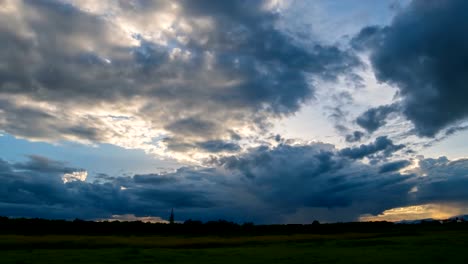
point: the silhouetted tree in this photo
(171, 218)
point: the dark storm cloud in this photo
(382, 145)
(374, 118)
(32, 183)
(28, 189)
(264, 185)
(317, 176)
(233, 67)
(423, 52)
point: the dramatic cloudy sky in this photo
(273, 111)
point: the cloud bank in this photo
(265, 185)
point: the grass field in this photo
(424, 247)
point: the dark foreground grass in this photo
(424, 247)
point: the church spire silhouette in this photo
(171, 218)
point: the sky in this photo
(265, 111)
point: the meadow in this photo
(424, 245)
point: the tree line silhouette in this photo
(36, 226)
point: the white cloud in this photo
(75, 176)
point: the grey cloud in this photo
(103, 177)
(153, 179)
(356, 136)
(178, 145)
(337, 110)
(430, 163)
(4, 166)
(454, 130)
(193, 127)
(394, 166)
(423, 53)
(368, 38)
(382, 145)
(174, 198)
(210, 146)
(44, 165)
(447, 133)
(374, 118)
(219, 146)
(36, 123)
(338, 116)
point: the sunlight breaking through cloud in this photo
(418, 212)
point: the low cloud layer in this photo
(265, 185)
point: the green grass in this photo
(425, 247)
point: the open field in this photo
(440, 246)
